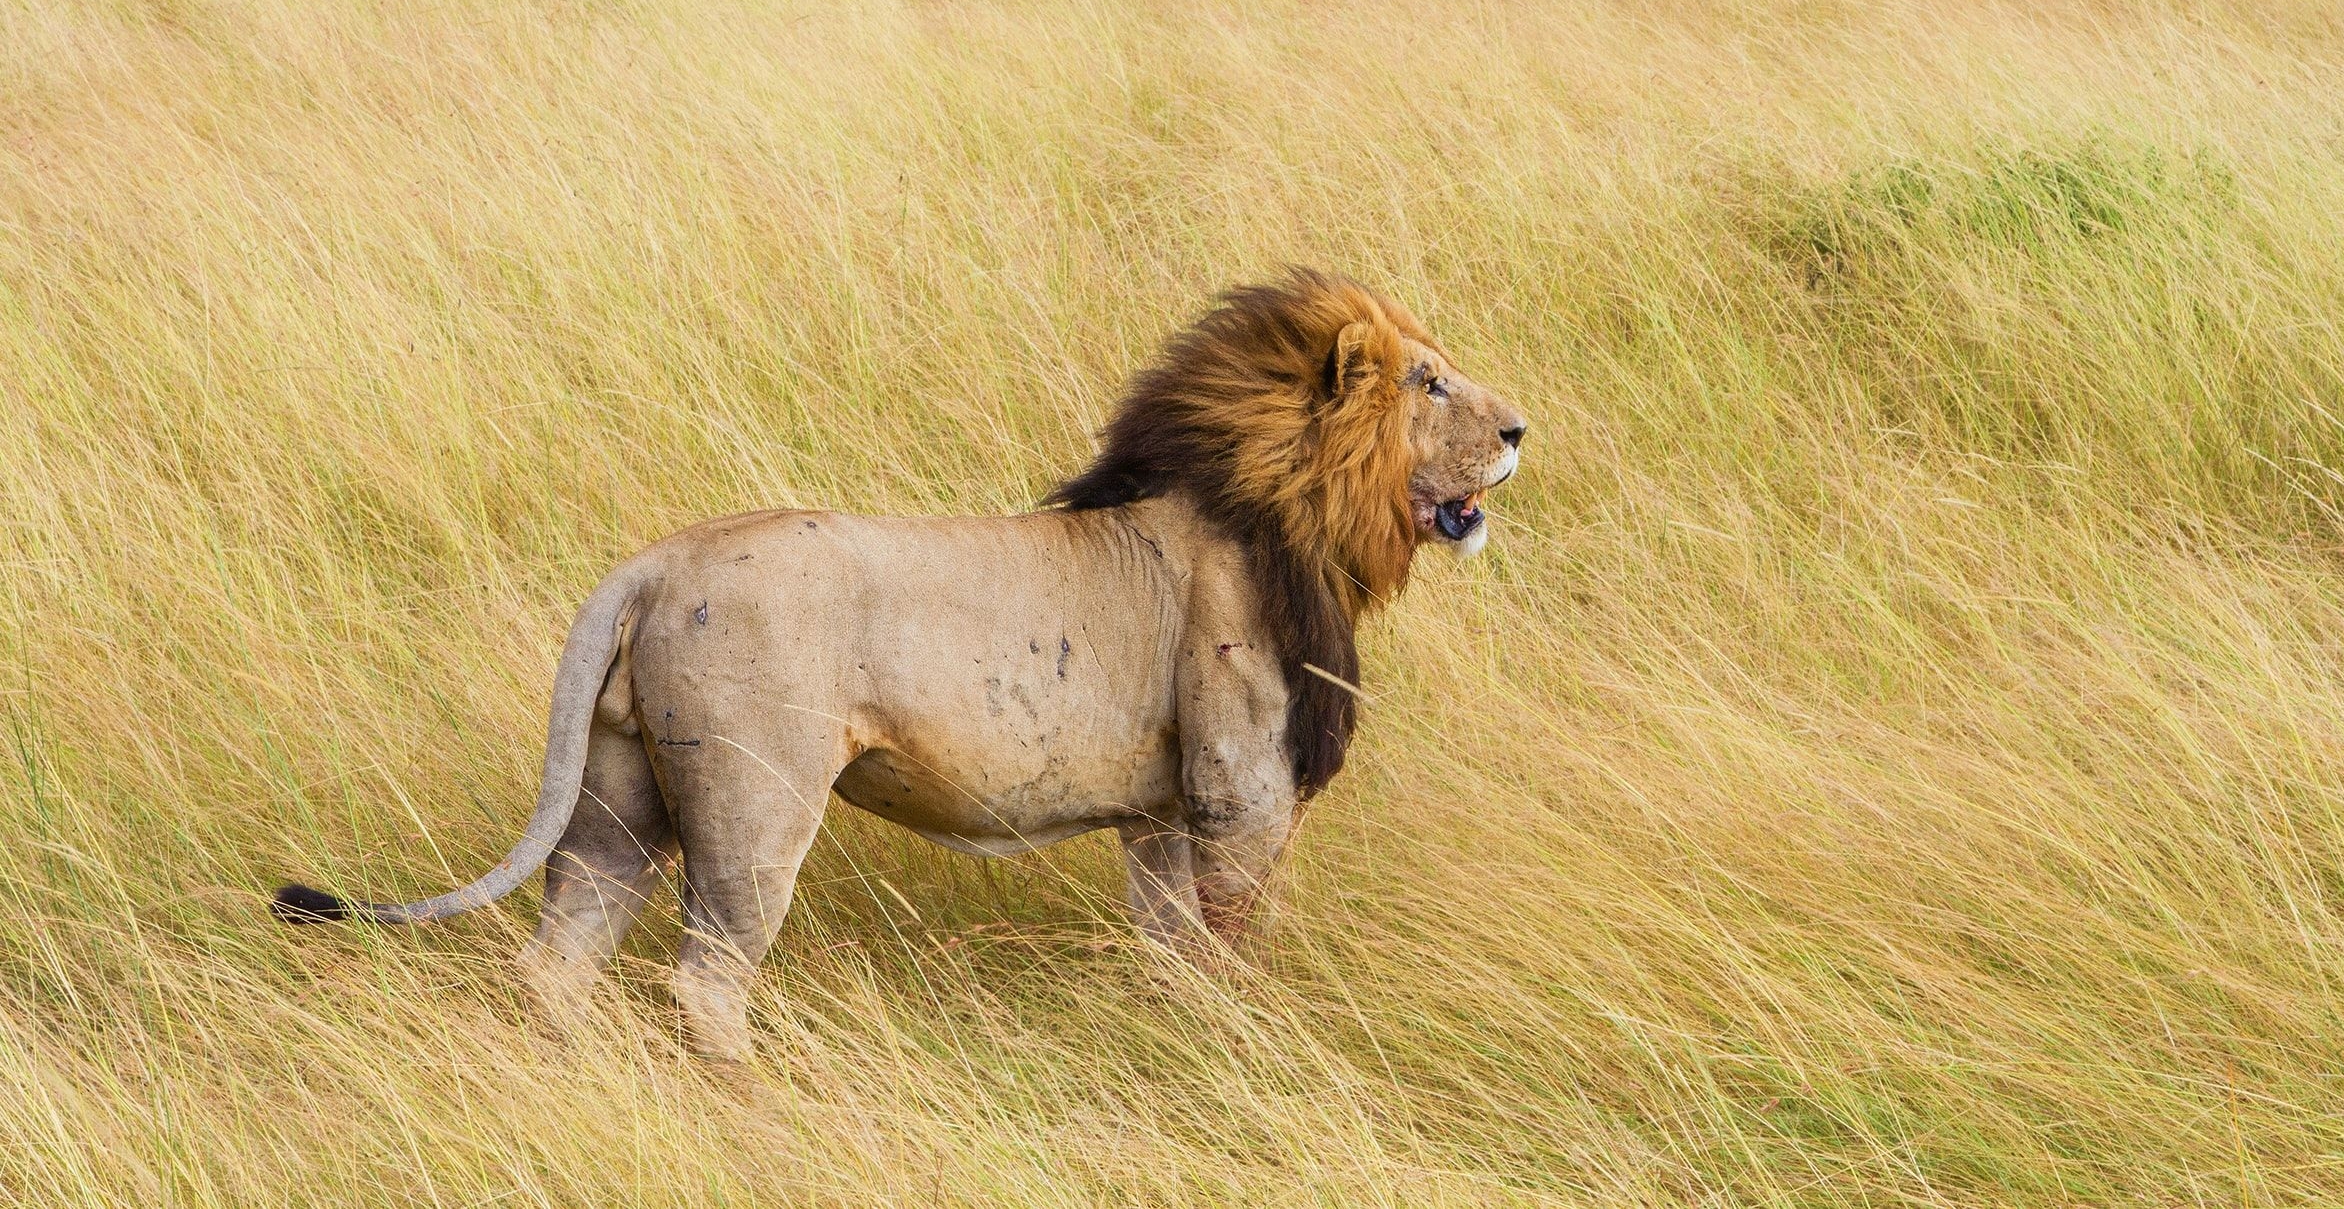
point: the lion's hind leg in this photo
(748, 806)
(617, 849)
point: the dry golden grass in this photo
(1893, 754)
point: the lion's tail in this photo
(586, 659)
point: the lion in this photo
(1165, 648)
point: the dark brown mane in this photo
(1278, 415)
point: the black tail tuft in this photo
(302, 905)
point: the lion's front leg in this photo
(1236, 774)
(1238, 842)
(1240, 797)
(1159, 866)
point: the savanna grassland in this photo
(1892, 753)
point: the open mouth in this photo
(1458, 518)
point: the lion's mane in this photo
(1279, 415)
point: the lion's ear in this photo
(1352, 363)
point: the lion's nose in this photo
(1511, 436)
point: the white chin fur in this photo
(1472, 543)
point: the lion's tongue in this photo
(1458, 517)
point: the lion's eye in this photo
(1438, 388)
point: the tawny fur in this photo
(1145, 657)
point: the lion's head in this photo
(1318, 424)
(1467, 441)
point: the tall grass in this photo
(1893, 753)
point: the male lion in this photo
(1166, 651)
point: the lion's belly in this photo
(1000, 807)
